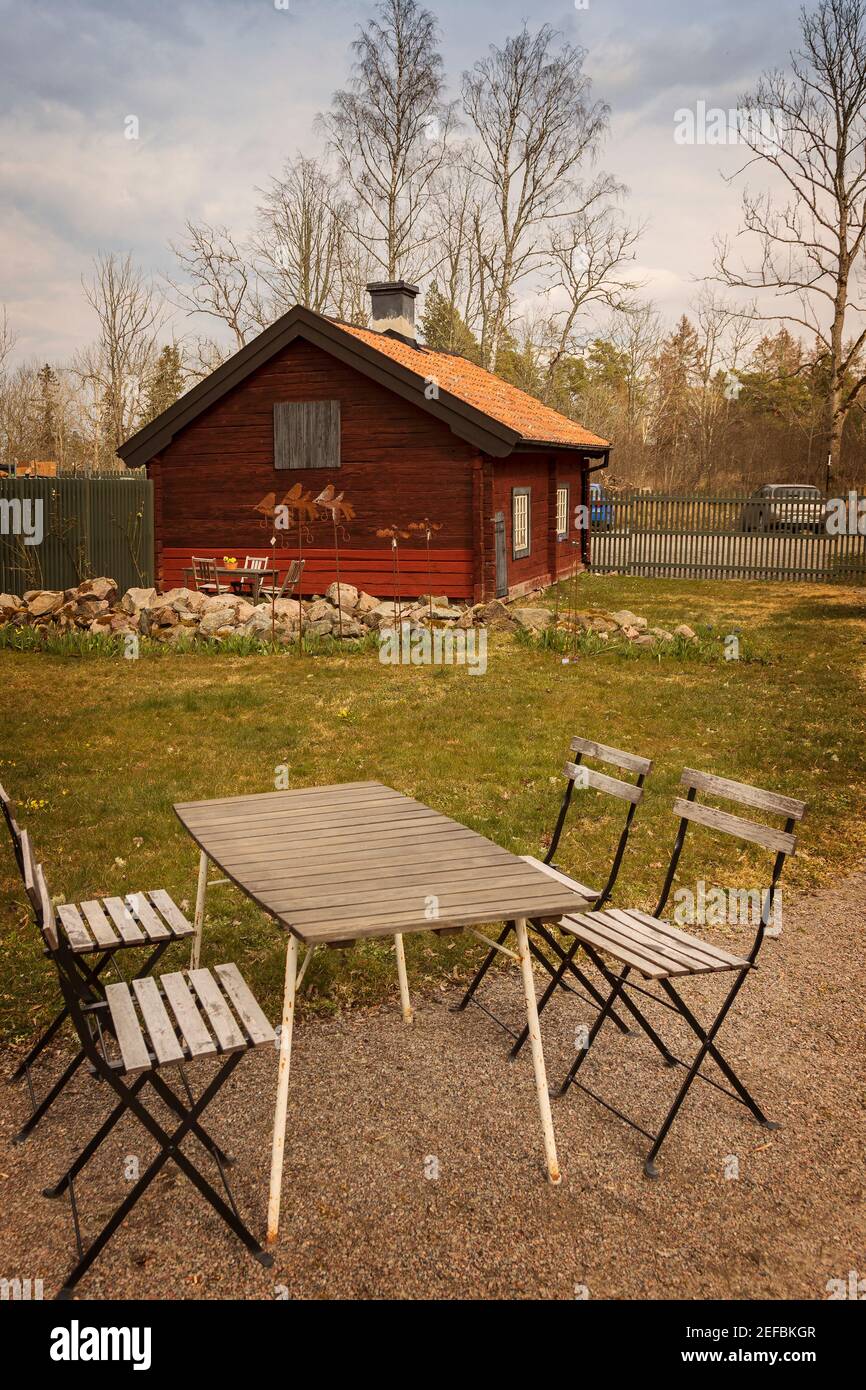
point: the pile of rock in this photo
(94, 606)
(341, 612)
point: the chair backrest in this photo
(255, 562)
(204, 570)
(12, 825)
(780, 842)
(37, 891)
(580, 774)
(293, 575)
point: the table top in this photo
(240, 571)
(358, 859)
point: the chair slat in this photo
(45, 909)
(77, 934)
(600, 780)
(170, 911)
(629, 762)
(246, 1005)
(127, 1029)
(606, 938)
(155, 929)
(124, 921)
(743, 792)
(220, 1016)
(156, 1021)
(99, 924)
(700, 956)
(778, 840)
(185, 1010)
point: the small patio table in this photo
(238, 576)
(343, 863)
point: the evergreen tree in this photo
(444, 330)
(165, 383)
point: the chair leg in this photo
(727, 1070)
(37, 1048)
(402, 977)
(169, 1149)
(594, 1030)
(567, 964)
(541, 1090)
(709, 1037)
(45, 1104)
(483, 968)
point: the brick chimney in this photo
(392, 306)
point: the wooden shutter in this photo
(307, 434)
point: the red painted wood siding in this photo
(542, 473)
(398, 465)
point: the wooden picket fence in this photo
(87, 527)
(691, 536)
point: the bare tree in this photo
(456, 212)
(129, 319)
(529, 103)
(809, 128)
(588, 254)
(221, 280)
(301, 236)
(389, 132)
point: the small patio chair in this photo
(292, 578)
(660, 953)
(128, 1037)
(579, 775)
(204, 573)
(255, 562)
(97, 930)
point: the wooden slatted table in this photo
(341, 863)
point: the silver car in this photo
(788, 507)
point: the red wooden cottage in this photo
(405, 433)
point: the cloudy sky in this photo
(224, 90)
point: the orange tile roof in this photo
(485, 392)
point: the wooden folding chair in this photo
(660, 953)
(97, 930)
(581, 776)
(255, 562)
(204, 573)
(286, 589)
(128, 1036)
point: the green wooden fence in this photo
(81, 527)
(687, 536)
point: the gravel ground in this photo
(373, 1103)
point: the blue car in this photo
(600, 510)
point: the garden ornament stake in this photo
(341, 511)
(300, 507)
(428, 527)
(395, 534)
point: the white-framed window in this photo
(520, 522)
(562, 493)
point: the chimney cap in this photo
(378, 286)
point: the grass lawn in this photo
(96, 749)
